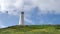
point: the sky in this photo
(36, 12)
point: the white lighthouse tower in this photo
(21, 21)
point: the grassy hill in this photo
(32, 29)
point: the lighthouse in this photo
(21, 22)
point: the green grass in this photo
(32, 29)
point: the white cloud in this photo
(10, 5)
(45, 5)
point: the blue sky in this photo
(37, 12)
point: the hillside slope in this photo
(33, 29)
